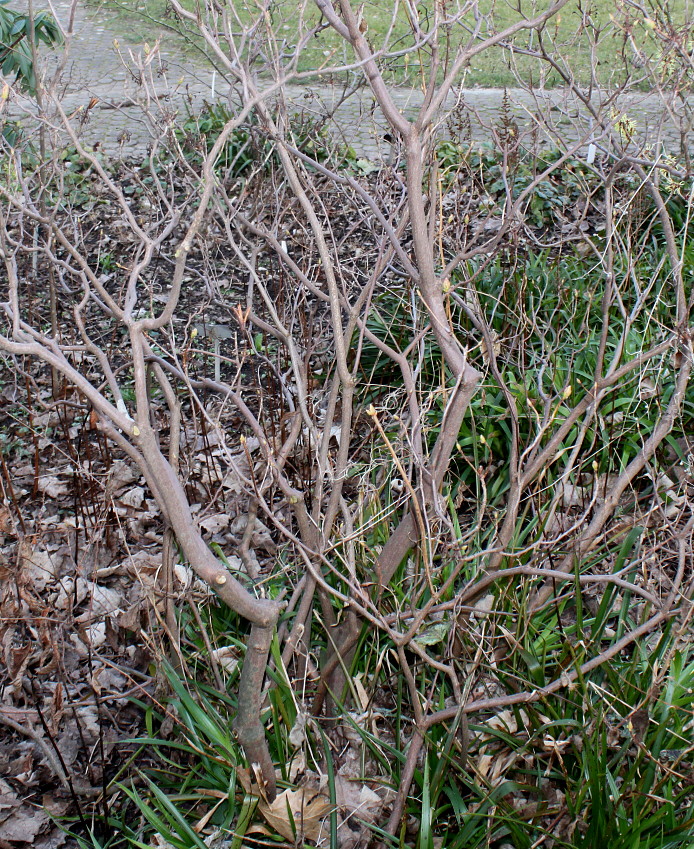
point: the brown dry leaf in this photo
(504, 720)
(215, 523)
(57, 707)
(24, 824)
(133, 497)
(361, 692)
(159, 842)
(108, 681)
(120, 475)
(70, 593)
(144, 565)
(53, 839)
(647, 388)
(9, 800)
(496, 346)
(18, 658)
(308, 810)
(184, 575)
(261, 533)
(101, 600)
(239, 468)
(484, 762)
(94, 635)
(227, 657)
(355, 797)
(357, 805)
(51, 486)
(6, 524)
(37, 565)
(244, 776)
(130, 619)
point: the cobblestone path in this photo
(96, 73)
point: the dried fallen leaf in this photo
(647, 388)
(355, 797)
(38, 567)
(95, 634)
(227, 657)
(215, 523)
(184, 575)
(53, 839)
(51, 486)
(133, 497)
(158, 842)
(24, 824)
(102, 600)
(120, 475)
(297, 812)
(297, 736)
(6, 525)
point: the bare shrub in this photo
(413, 412)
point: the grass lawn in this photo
(624, 37)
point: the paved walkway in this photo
(98, 73)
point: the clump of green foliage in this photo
(17, 31)
(246, 150)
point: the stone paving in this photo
(99, 88)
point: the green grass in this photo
(568, 38)
(606, 762)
